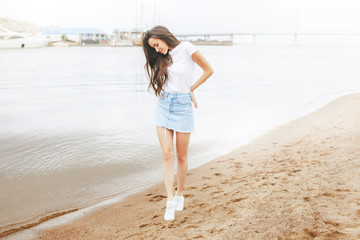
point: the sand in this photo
(299, 181)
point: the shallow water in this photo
(76, 124)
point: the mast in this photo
(296, 21)
(136, 19)
(141, 22)
(154, 17)
(137, 40)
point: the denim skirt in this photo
(175, 111)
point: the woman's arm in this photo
(208, 71)
(200, 60)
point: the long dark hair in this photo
(156, 63)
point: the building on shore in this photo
(81, 36)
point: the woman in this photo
(169, 65)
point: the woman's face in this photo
(159, 45)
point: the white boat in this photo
(11, 39)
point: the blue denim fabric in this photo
(175, 111)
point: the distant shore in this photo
(299, 181)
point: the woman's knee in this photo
(182, 158)
(168, 155)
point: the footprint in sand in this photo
(156, 198)
(198, 236)
(327, 194)
(306, 199)
(234, 178)
(238, 165)
(342, 190)
(216, 192)
(143, 225)
(205, 187)
(220, 230)
(132, 235)
(208, 210)
(206, 178)
(188, 195)
(236, 193)
(235, 200)
(192, 226)
(201, 221)
(217, 174)
(335, 224)
(310, 233)
(172, 225)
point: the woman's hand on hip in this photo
(193, 99)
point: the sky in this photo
(192, 16)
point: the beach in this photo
(298, 181)
(72, 141)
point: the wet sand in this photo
(299, 181)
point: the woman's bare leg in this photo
(182, 145)
(167, 147)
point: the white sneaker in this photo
(179, 203)
(170, 211)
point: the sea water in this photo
(77, 124)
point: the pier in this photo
(231, 38)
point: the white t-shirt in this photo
(182, 70)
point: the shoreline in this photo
(65, 216)
(154, 194)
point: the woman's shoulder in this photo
(189, 48)
(185, 45)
